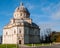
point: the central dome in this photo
(22, 8)
(21, 12)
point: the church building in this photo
(21, 29)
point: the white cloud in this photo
(56, 16)
(53, 10)
(30, 6)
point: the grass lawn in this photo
(14, 45)
(7, 46)
(37, 44)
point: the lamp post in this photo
(17, 38)
(6, 45)
(6, 40)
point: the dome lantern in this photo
(21, 4)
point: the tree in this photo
(48, 35)
(53, 36)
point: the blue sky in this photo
(45, 13)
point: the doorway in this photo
(19, 41)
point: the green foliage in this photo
(53, 38)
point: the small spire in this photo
(21, 4)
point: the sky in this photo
(45, 13)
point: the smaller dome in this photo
(22, 9)
(33, 24)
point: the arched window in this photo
(14, 31)
(20, 31)
(24, 15)
(6, 33)
(21, 14)
(17, 14)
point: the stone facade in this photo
(21, 29)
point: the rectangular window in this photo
(21, 14)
